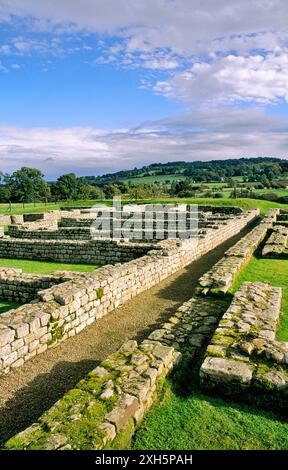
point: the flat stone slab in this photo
(227, 370)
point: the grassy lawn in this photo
(245, 203)
(41, 267)
(17, 208)
(200, 422)
(5, 306)
(276, 272)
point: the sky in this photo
(97, 86)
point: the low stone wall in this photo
(74, 251)
(101, 223)
(112, 398)
(243, 353)
(66, 309)
(123, 387)
(221, 277)
(15, 286)
(34, 231)
(276, 245)
(1, 231)
(11, 219)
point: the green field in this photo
(245, 203)
(42, 267)
(17, 208)
(5, 306)
(153, 179)
(201, 422)
(276, 272)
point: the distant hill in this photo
(199, 171)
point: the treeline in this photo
(250, 169)
(29, 185)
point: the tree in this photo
(66, 187)
(27, 185)
(111, 190)
(265, 181)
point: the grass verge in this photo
(41, 267)
(274, 271)
(201, 422)
(5, 306)
(244, 203)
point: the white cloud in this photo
(17, 66)
(257, 78)
(205, 135)
(160, 23)
(26, 45)
(207, 51)
(169, 35)
(5, 49)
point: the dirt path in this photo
(30, 390)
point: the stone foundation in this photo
(15, 286)
(243, 353)
(277, 244)
(221, 277)
(112, 398)
(65, 309)
(111, 224)
(74, 251)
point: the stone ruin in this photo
(277, 244)
(242, 352)
(62, 306)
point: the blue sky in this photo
(96, 86)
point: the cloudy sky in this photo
(93, 86)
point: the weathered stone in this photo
(226, 370)
(126, 408)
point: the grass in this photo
(276, 272)
(41, 267)
(18, 209)
(5, 306)
(244, 203)
(153, 179)
(200, 422)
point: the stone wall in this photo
(221, 277)
(243, 353)
(15, 286)
(66, 309)
(112, 398)
(74, 251)
(123, 387)
(100, 223)
(10, 219)
(276, 245)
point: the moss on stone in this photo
(100, 293)
(123, 438)
(214, 352)
(57, 333)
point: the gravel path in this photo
(30, 390)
